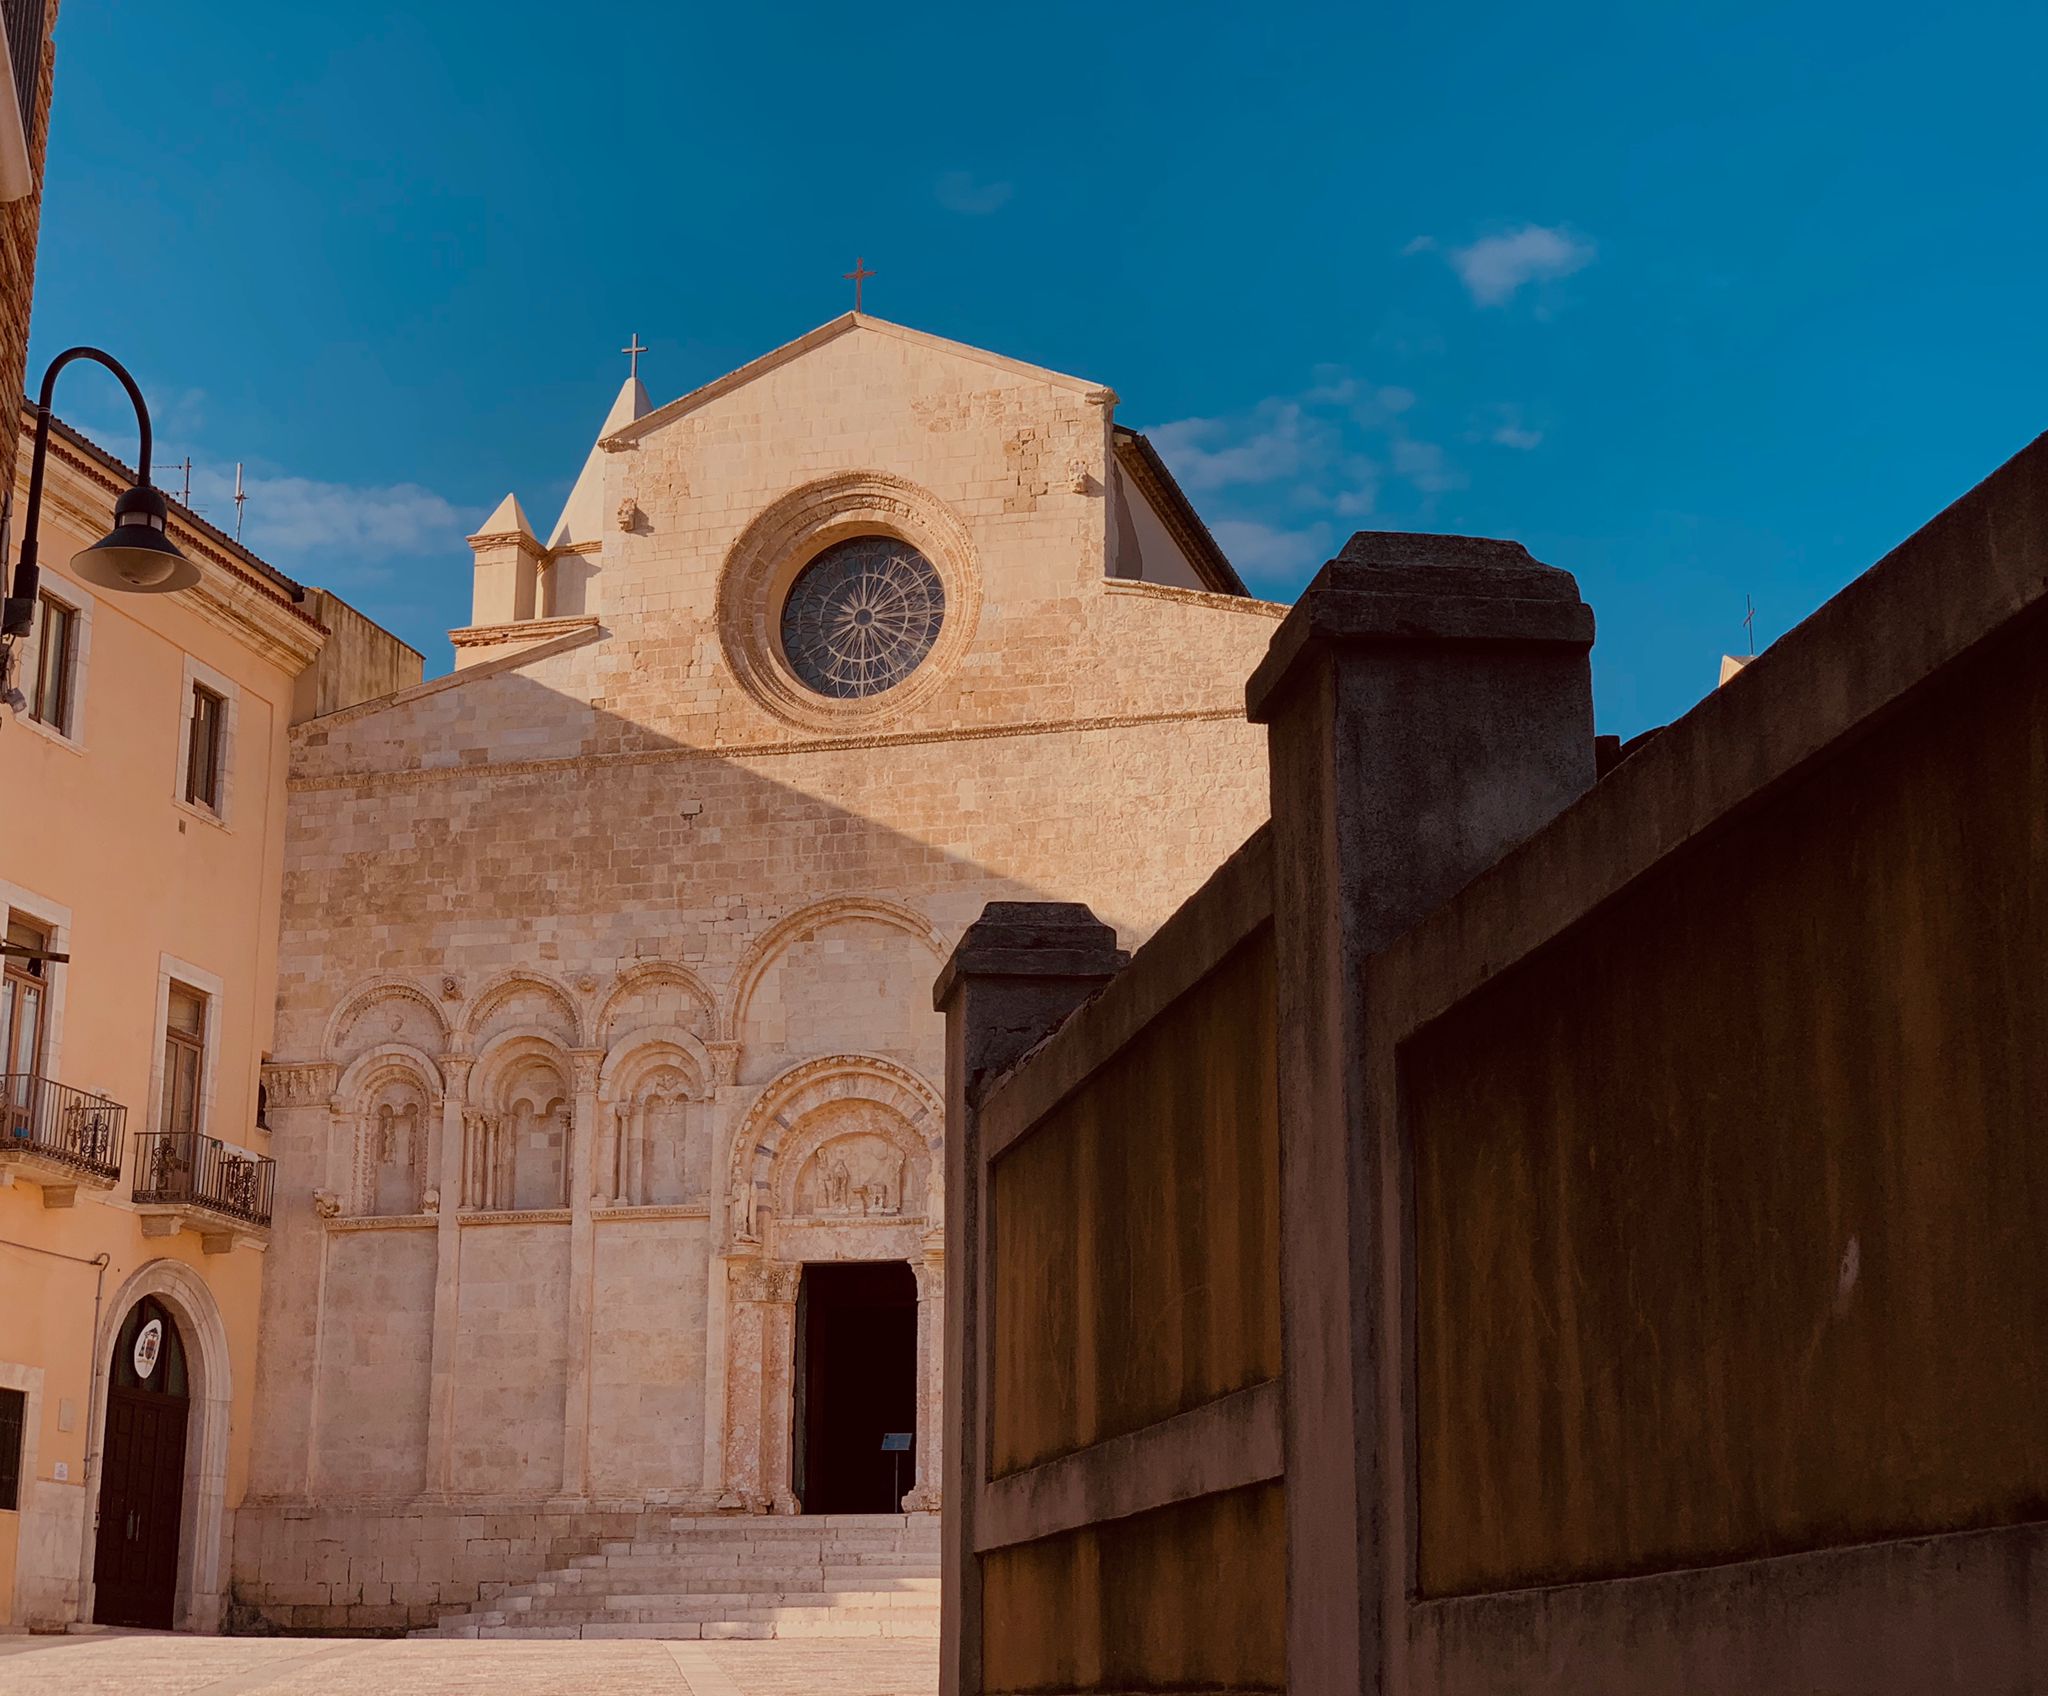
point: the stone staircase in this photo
(837, 1575)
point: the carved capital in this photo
(764, 1280)
(299, 1086)
(587, 1063)
(725, 1063)
(326, 1204)
(455, 1068)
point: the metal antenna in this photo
(1749, 623)
(240, 498)
(184, 467)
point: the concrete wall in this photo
(1659, 1185)
(1722, 1201)
(1123, 1330)
(1136, 1268)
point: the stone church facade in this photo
(605, 1030)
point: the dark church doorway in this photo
(142, 1472)
(856, 1383)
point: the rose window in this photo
(861, 616)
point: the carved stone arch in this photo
(818, 1131)
(614, 1018)
(653, 1141)
(505, 986)
(196, 1602)
(377, 1185)
(786, 536)
(506, 1051)
(819, 915)
(349, 1013)
(515, 1153)
(361, 1070)
(636, 1048)
(755, 1158)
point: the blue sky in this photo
(1698, 303)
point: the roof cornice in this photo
(621, 440)
(1141, 463)
(227, 595)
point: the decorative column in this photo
(457, 1157)
(1429, 705)
(582, 1273)
(778, 1367)
(931, 1375)
(1019, 970)
(300, 1103)
(760, 1319)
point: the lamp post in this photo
(136, 557)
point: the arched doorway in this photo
(142, 1471)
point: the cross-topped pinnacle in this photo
(634, 350)
(858, 275)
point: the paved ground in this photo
(159, 1664)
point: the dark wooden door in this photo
(142, 1489)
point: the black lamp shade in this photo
(136, 556)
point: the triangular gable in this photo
(582, 517)
(831, 331)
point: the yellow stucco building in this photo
(142, 764)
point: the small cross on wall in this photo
(858, 275)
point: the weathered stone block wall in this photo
(379, 1318)
(20, 224)
(611, 878)
(511, 1369)
(648, 1364)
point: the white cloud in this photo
(1494, 267)
(288, 515)
(1279, 440)
(1419, 244)
(1266, 550)
(1518, 436)
(958, 191)
(1423, 464)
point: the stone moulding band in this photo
(517, 1216)
(729, 751)
(383, 1222)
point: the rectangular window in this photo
(23, 986)
(56, 661)
(13, 1424)
(202, 760)
(184, 1059)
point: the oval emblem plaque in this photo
(149, 1343)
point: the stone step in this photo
(728, 1630)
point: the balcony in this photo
(59, 1137)
(195, 1183)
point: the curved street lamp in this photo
(136, 557)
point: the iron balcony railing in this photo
(184, 1169)
(72, 1127)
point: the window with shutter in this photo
(184, 1059)
(203, 752)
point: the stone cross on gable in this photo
(634, 350)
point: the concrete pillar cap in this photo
(1393, 586)
(1031, 939)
